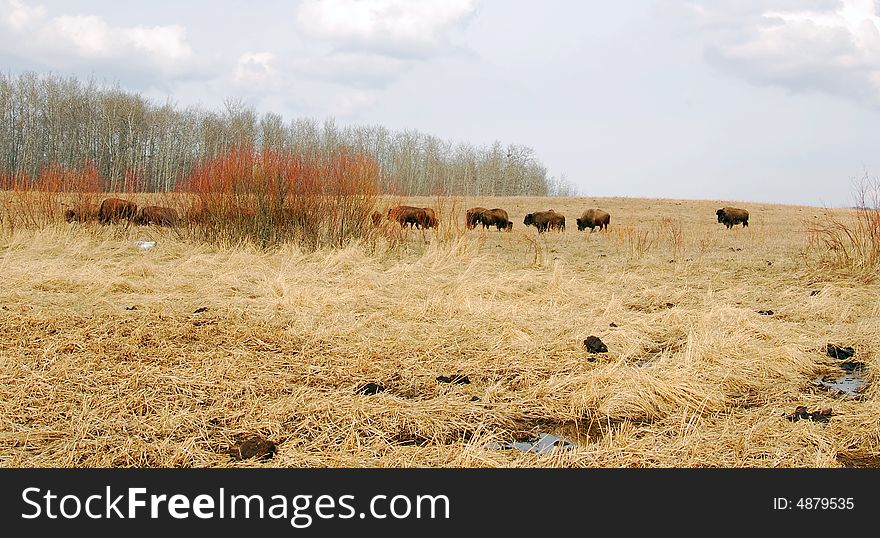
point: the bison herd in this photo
(116, 209)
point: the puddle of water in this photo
(851, 383)
(839, 352)
(544, 444)
(369, 389)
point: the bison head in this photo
(720, 214)
(529, 220)
(581, 225)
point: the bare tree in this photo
(135, 143)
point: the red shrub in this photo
(271, 197)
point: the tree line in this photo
(135, 143)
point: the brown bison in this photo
(154, 214)
(416, 217)
(113, 209)
(545, 220)
(731, 216)
(80, 213)
(404, 214)
(473, 216)
(592, 218)
(496, 217)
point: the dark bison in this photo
(154, 214)
(417, 217)
(731, 216)
(545, 220)
(473, 216)
(376, 217)
(495, 217)
(113, 209)
(592, 218)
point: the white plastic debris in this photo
(145, 245)
(543, 444)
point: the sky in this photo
(736, 100)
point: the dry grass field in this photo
(116, 356)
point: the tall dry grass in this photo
(849, 243)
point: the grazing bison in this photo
(473, 216)
(495, 217)
(545, 220)
(154, 214)
(418, 217)
(377, 218)
(405, 214)
(731, 216)
(592, 218)
(113, 209)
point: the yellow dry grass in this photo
(104, 362)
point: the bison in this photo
(473, 216)
(404, 214)
(113, 209)
(592, 218)
(545, 220)
(416, 217)
(495, 217)
(731, 216)
(154, 214)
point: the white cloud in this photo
(256, 67)
(19, 15)
(365, 45)
(394, 27)
(829, 47)
(71, 40)
(167, 43)
(91, 37)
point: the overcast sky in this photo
(749, 100)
